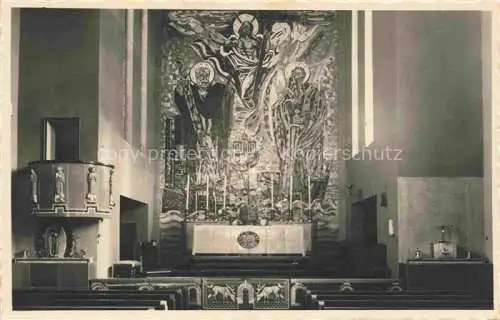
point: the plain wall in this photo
(14, 73)
(58, 73)
(428, 102)
(136, 168)
(439, 58)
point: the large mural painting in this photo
(250, 107)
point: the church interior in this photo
(255, 160)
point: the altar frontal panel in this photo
(275, 239)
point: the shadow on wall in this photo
(23, 223)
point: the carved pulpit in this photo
(67, 201)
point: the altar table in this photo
(271, 239)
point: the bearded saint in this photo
(298, 116)
(205, 110)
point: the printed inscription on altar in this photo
(248, 239)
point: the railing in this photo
(71, 189)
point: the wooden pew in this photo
(177, 298)
(188, 289)
(400, 300)
(86, 299)
(372, 294)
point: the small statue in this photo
(418, 254)
(72, 246)
(22, 254)
(34, 186)
(61, 243)
(50, 237)
(91, 180)
(40, 244)
(83, 253)
(468, 256)
(60, 180)
(111, 199)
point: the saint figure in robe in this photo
(298, 119)
(205, 108)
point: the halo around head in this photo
(243, 18)
(203, 64)
(300, 65)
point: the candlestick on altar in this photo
(215, 204)
(208, 193)
(291, 193)
(224, 198)
(196, 201)
(272, 190)
(187, 193)
(309, 191)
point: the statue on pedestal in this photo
(34, 187)
(60, 182)
(91, 181)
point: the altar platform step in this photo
(240, 272)
(217, 266)
(249, 259)
(228, 273)
(86, 299)
(256, 265)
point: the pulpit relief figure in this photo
(60, 182)
(91, 181)
(34, 187)
(111, 198)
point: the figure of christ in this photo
(242, 50)
(246, 43)
(204, 123)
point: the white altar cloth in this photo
(271, 239)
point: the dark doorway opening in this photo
(366, 257)
(363, 226)
(61, 139)
(133, 228)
